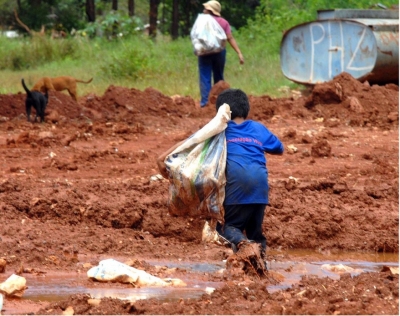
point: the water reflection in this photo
(56, 288)
(339, 255)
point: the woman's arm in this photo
(235, 46)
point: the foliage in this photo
(69, 15)
(274, 17)
(59, 15)
(127, 59)
(236, 12)
(114, 23)
(14, 53)
(6, 12)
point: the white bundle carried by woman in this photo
(197, 170)
(208, 37)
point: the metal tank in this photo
(363, 43)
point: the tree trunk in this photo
(91, 10)
(115, 5)
(131, 7)
(175, 19)
(189, 12)
(153, 17)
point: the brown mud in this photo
(80, 188)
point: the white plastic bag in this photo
(115, 271)
(197, 170)
(208, 37)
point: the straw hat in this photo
(213, 6)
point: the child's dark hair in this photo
(237, 100)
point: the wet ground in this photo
(80, 188)
(56, 287)
(60, 286)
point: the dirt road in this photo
(79, 188)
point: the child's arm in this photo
(274, 146)
(160, 160)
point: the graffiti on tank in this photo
(340, 55)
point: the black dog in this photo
(36, 99)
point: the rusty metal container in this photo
(363, 43)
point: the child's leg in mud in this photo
(235, 221)
(254, 225)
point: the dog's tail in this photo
(89, 81)
(28, 92)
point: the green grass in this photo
(136, 62)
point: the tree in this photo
(175, 19)
(153, 17)
(91, 10)
(115, 5)
(131, 7)
(52, 14)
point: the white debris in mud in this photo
(340, 268)
(156, 177)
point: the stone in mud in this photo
(321, 149)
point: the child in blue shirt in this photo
(246, 190)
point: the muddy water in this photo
(55, 288)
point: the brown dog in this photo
(59, 84)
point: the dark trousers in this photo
(210, 66)
(242, 218)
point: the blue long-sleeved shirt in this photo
(246, 171)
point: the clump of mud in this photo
(247, 260)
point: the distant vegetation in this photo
(126, 56)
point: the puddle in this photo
(52, 288)
(360, 262)
(56, 288)
(293, 271)
(340, 256)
